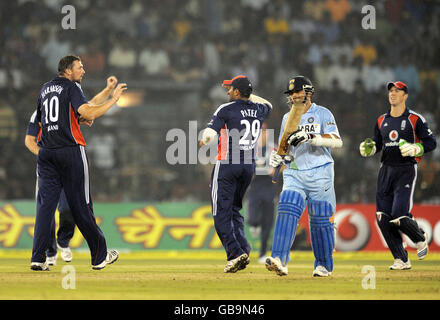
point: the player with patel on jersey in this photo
(403, 136)
(238, 124)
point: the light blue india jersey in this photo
(319, 120)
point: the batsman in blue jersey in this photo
(308, 181)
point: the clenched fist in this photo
(298, 137)
(111, 82)
(276, 160)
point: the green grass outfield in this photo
(198, 275)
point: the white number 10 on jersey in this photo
(51, 109)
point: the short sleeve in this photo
(33, 127)
(218, 119)
(329, 123)
(77, 97)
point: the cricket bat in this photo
(291, 126)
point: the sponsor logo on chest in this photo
(310, 127)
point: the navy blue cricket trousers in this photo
(261, 208)
(229, 183)
(65, 168)
(395, 190)
(66, 228)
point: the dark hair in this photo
(245, 94)
(66, 63)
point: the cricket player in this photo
(67, 225)
(238, 126)
(403, 136)
(308, 180)
(62, 161)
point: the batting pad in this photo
(322, 233)
(290, 209)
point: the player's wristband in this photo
(332, 142)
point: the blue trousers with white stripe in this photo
(229, 183)
(66, 168)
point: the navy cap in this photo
(241, 83)
(299, 83)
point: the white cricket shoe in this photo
(39, 266)
(400, 265)
(262, 259)
(255, 232)
(244, 264)
(65, 253)
(321, 271)
(274, 264)
(51, 261)
(112, 256)
(236, 264)
(422, 248)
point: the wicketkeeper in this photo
(403, 136)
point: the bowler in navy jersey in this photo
(237, 125)
(62, 161)
(403, 136)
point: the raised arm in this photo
(91, 112)
(105, 93)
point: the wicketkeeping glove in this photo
(367, 148)
(410, 149)
(298, 137)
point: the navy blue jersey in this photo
(57, 111)
(411, 127)
(238, 124)
(33, 128)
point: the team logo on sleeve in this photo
(394, 135)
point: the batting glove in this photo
(367, 148)
(276, 160)
(410, 149)
(298, 137)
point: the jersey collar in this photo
(405, 113)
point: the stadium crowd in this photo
(175, 53)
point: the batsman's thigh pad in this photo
(290, 209)
(392, 236)
(322, 232)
